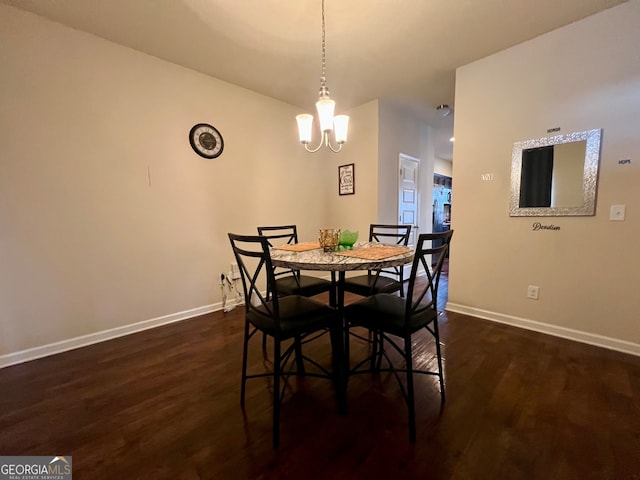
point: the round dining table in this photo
(363, 256)
(310, 256)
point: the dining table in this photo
(362, 256)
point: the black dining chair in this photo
(291, 321)
(288, 281)
(394, 320)
(388, 280)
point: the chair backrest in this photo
(280, 235)
(426, 296)
(254, 262)
(398, 234)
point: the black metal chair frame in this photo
(398, 234)
(422, 301)
(262, 313)
(290, 234)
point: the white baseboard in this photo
(85, 340)
(568, 333)
(90, 339)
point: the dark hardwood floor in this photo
(164, 404)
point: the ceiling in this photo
(403, 51)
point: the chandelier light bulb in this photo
(341, 125)
(305, 125)
(326, 108)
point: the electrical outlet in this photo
(533, 291)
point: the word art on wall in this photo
(537, 226)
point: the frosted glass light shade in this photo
(305, 124)
(325, 107)
(341, 124)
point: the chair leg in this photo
(377, 349)
(436, 336)
(264, 335)
(374, 348)
(410, 395)
(299, 359)
(245, 347)
(346, 346)
(380, 350)
(276, 392)
(340, 363)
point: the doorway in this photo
(409, 194)
(442, 203)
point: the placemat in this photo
(375, 253)
(299, 247)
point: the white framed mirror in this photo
(555, 176)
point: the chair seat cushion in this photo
(298, 315)
(308, 287)
(386, 312)
(367, 285)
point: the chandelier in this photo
(325, 106)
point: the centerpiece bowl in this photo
(347, 239)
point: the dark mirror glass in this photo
(552, 175)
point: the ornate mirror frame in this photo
(589, 179)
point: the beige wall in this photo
(583, 76)
(379, 133)
(443, 167)
(107, 216)
(109, 222)
(355, 212)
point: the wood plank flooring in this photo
(164, 404)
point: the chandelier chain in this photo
(323, 78)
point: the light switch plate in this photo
(616, 214)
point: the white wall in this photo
(107, 216)
(583, 76)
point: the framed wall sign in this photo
(346, 179)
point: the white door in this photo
(409, 194)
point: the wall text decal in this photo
(538, 226)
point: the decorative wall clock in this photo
(206, 140)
